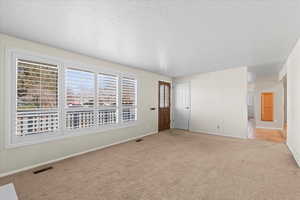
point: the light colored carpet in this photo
(177, 166)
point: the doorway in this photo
(164, 93)
(266, 108)
(182, 105)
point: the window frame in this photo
(13, 141)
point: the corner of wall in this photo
(295, 154)
(1, 100)
(282, 72)
(293, 96)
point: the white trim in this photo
(68, 62)
(294, 153)
(216, 133)
(272, 128)
(75, 154)
(13, 56)
(75, 133)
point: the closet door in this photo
(182, 106)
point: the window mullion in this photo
(120, 106)
(61, 99)
(96, 117)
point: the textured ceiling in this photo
(171, 37)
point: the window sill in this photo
(69, 134)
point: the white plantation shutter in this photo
(79, 119)
(107, 90)
(128, 91)
(108, 116)
(129, 114)
(80, 99)
(129, 96)
(37, 98)
(107, 99)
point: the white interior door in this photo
(182, 105)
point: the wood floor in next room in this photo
(172, 165)
(272, 135)
(269, 135)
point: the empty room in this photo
(149, 100)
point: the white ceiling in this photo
(171, 37)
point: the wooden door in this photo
(267, 106)
(164, 90)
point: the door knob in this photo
(187, 107)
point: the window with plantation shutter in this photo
(37, 98)
(129, 96)
(80, 88)
(107, 99)
(80, 99)
(107, 90)
(52, 98)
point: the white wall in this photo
(26, 156)
(251, 77)
(269, 84)
(219, 102)
(284, 82)
(251, 98)
(282, 73)
(293, 101)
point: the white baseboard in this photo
(217, 133)
(271, 128)
(73, 155)
(295, 154)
